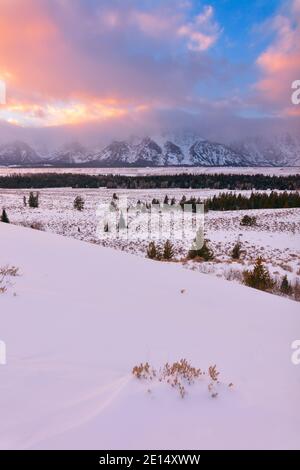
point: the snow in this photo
(276, 236)
(81, 316)
(276, 171)
(155, 150)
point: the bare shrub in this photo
(233, 275)
(37, 226)
(179, 375)
(296, 290)
(286, 267)
(6, 272)
(12, 271)
(144, 371)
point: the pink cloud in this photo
(199, 34)
(71, 61)
(279, 64)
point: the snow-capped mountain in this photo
(116, 152)
(18, 153)
(163, 150)
(206, 153)
(281, 150)
(72, 153)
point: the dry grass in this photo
(6, 272)
(233, 275)
(179, 375)
(286, 267)
(296, 290)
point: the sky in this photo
(120, 64)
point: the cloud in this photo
(279, 63)
(202, 32)
(71, 59)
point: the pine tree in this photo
(168, 251)
(248, 221)
(33, 200)
(78, 203)
(285, 286)
(166, 200)
(153, 251)
(4, 217)
(204, 252)
(259, 277)
(24, 201)
(236, 251)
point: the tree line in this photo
(273, 200)
(184, 181)
(230, 201)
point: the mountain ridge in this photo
(160, 151)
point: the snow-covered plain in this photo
(277, 171)
(80, 316)
(276, 237)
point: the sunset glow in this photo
(70, 62)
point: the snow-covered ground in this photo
(80, 316)
(277, 171)
(276, 237)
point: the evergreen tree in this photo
(259, 277)
(78, 203)
(155, 201)
(248, 221)
(285, 286)
(166, 200)
(236, 251)
(33, 200)
(153, 251)
(204, 252)
(168, 251)
(4, 217)
(24, 201)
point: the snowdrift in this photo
(80, 317)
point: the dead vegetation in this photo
(179, 375)
(6, 273)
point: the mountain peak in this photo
(184, 148)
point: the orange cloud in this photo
(69, 61)
(58, 114)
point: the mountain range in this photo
(162, 150)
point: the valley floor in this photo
(276, 237)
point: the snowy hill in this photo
(166, 149)
(80, 317)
